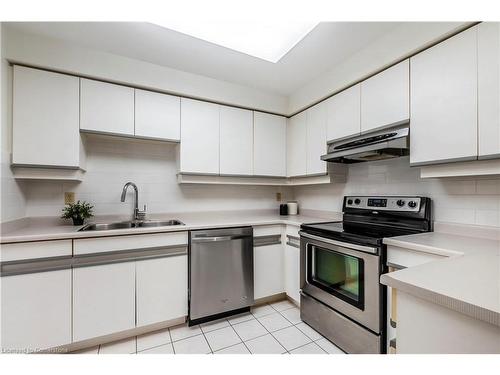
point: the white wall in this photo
(111, 162)
(456, 201)
(65, 57)
(12, 200)
(399, 43)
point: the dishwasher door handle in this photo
(219, 238)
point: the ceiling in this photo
(325, 46)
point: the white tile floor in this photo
(274, 328)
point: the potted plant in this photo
(78, 212)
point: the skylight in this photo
(269, 42)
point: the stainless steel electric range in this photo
(341, 263)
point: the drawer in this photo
(267, 230)
(133, 242)
(401, 257)
(33, 250)
(293, 230)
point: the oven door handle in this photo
(347, 245)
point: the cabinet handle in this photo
(219, 238)
(274, 239)
(21, 267)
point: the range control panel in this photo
(409, 204)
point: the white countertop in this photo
(42, 229)
(467, 280)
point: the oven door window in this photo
(338, 274)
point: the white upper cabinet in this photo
(45, 119)
(236, 141)
(444, 101)
(296, 145)
(316, 139)
(343, 114)
(269, 145)
(385, 98)
(157, 115)
(106, 108)
(199, 148)
(489, 89)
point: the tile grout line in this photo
(312, 342)
(271, 332)
(242, 341)
(209, 346)
(171, 341)
(239, 338)
(156, 346)
(292, 325)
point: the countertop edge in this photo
(422, 248)
(9, 239)
(473, 311)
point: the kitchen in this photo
(354, 211)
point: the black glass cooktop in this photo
(363, 234)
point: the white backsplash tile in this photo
(111, 162)
(465, 201)
(152, 166)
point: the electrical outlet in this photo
(278, 196)
(69, 197)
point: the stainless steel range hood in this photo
(382, 144)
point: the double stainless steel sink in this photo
(130, 224)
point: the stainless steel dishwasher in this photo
(220, 273)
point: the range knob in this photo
(400, 203)
(357, 201)
(412, 204)
(349, 201)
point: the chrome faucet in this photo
(138, 215)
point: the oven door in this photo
(343, 276)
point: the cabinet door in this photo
(343, 114)
(268, 270)
(103, 300)
(489, 89)
(269, 148)
(157, 115)
(162, 289)
(199, 149)
(45, 104)
(236, 141)
(296, 145)
(106, 108)
(316, 139)
(36, 310)
(444, 101)
(385, 98)
(292, 272)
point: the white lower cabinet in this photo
(36, 311)
(162, 286)
(103, 300)
(292, 272)
(268, 270)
